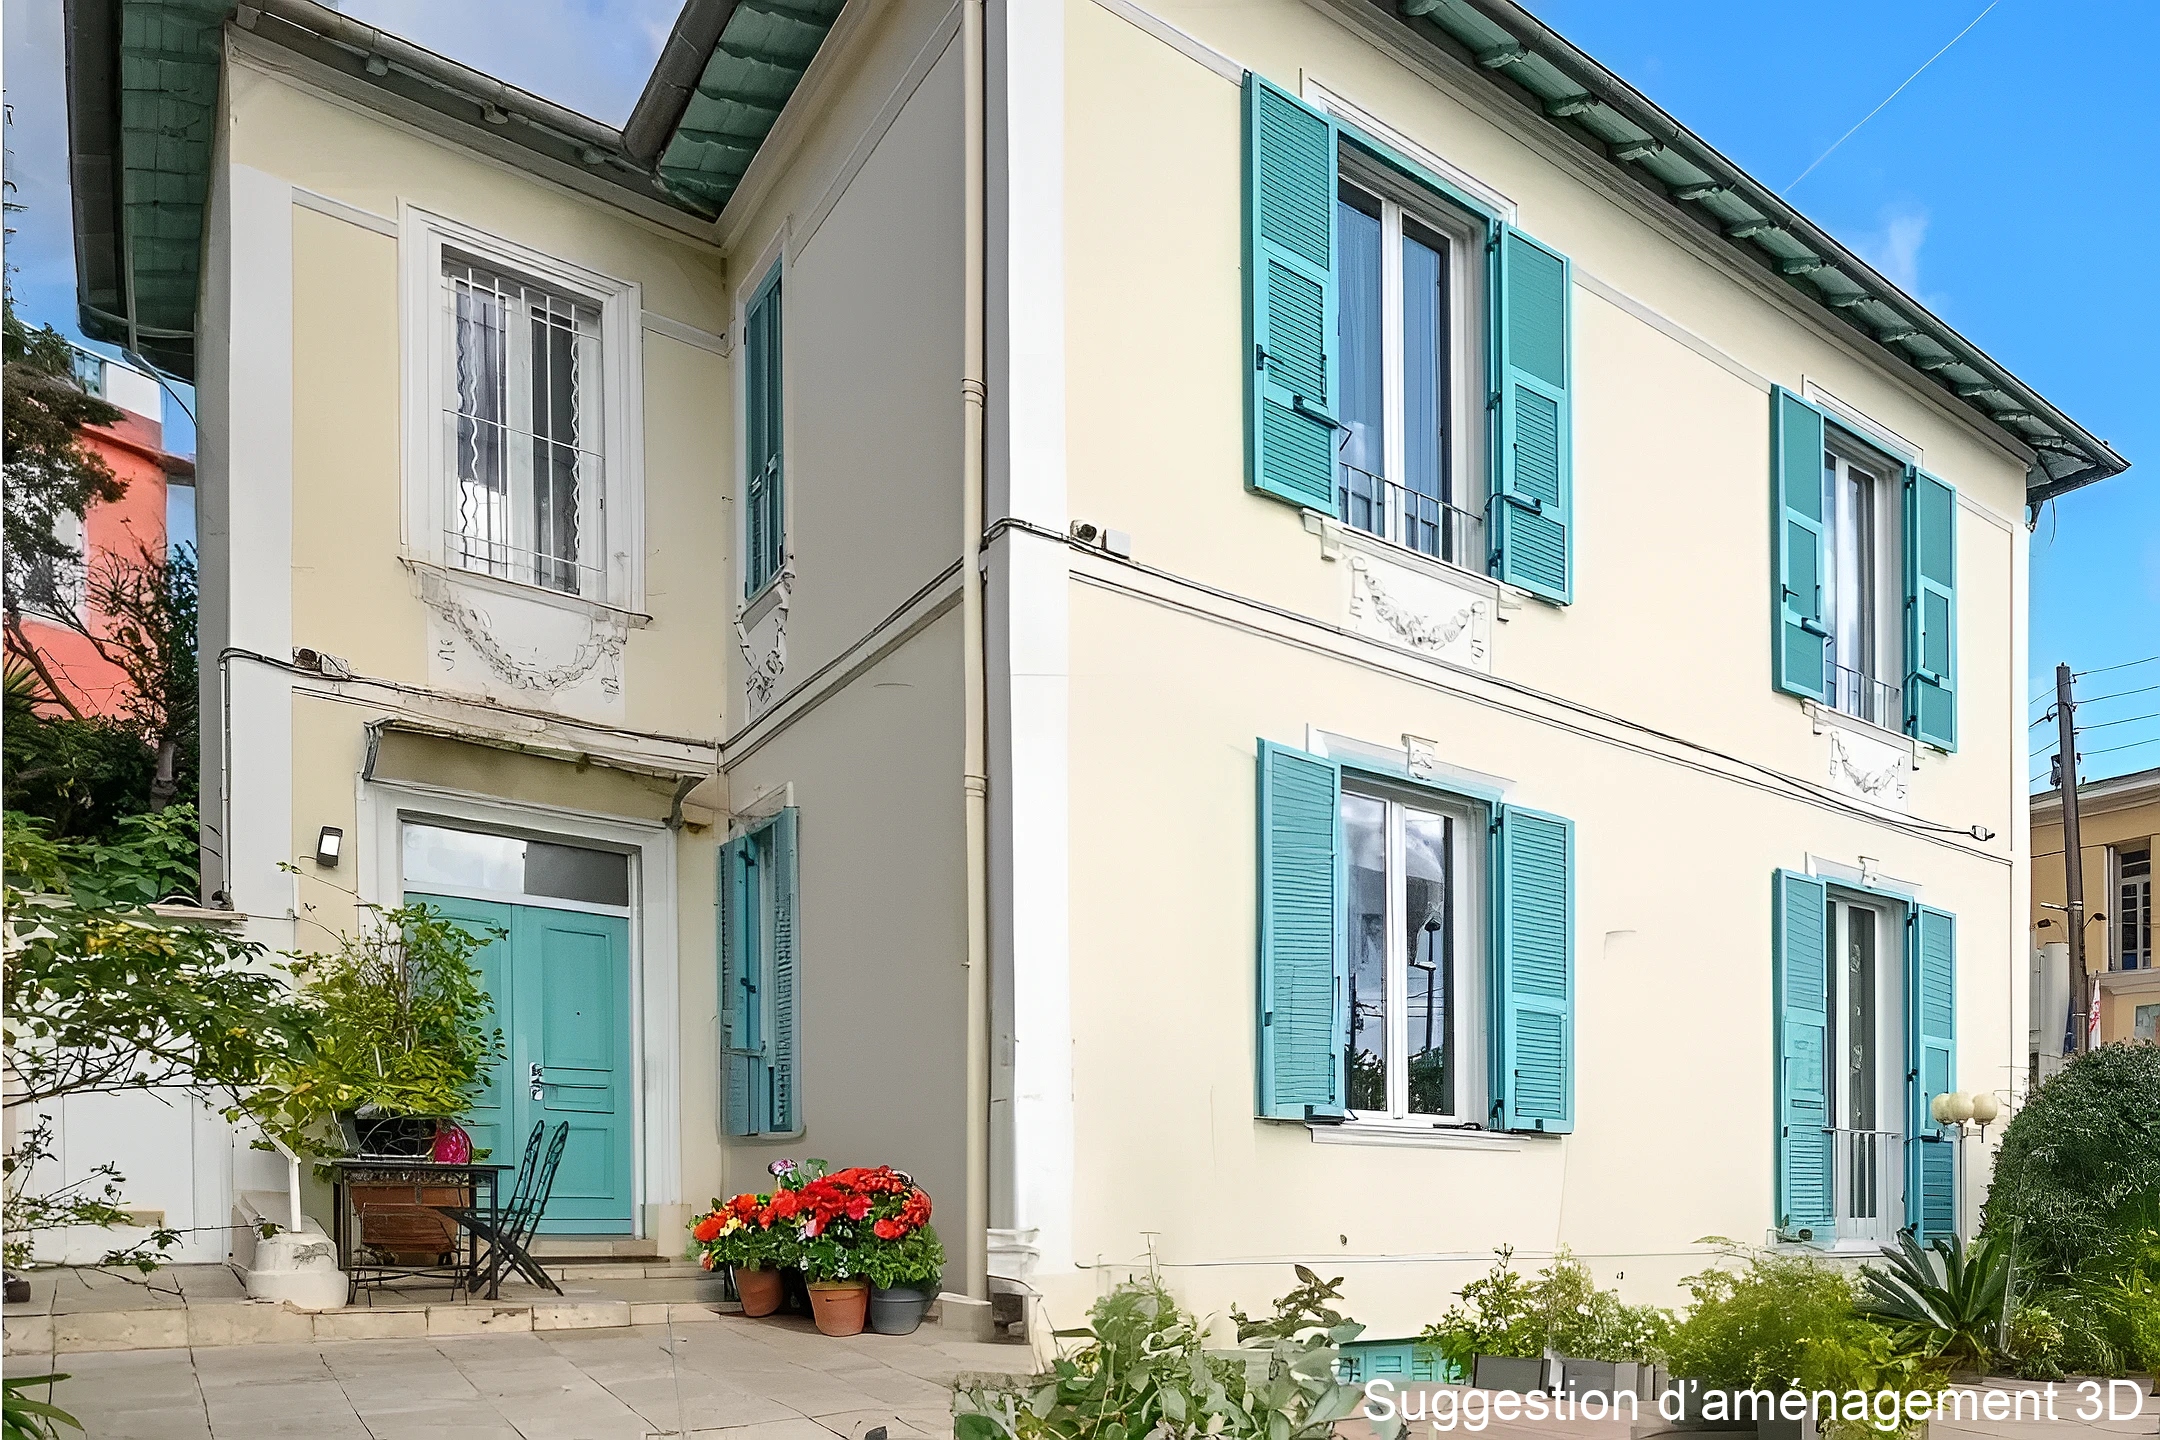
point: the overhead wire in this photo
(2103, 669)
(2049, 749)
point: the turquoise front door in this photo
(560, 980)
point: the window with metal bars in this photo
(522, 410)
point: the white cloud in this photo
(1895, 248)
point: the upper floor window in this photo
(2133, 909)
(1860, 584)
(525, 368)
(522, 413)
(1408, 296)
(764, 429)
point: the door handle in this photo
(532, 1078)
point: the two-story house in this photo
(1292, 631)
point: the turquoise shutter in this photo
(1290, 348)
(785, 1050)
(740, 1065)
(1534, 487)
(1931, 1064)
(1534, 993)
(1800, 1010)
(1930, 609)
(1799, 660)
(764, 509)
(1304, 1026)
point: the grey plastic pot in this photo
(897, 1311)
(1506, 1372)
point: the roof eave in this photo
(1745, 215)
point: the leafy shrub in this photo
(1788, 1321)
(1140, 1371)
(1306, 1308)
(1946, 1300)
(399, 1021)
(2035, 1343)
(1561, 1308)
(2085, 1146)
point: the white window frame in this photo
(1886, 580)
(1889, 1126)
(2117, 854)
(752, 605)
(424, 341)
(1471, 945)
(1468, 322)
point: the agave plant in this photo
(1948, 1300)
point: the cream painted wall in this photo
(1673, 1019)
(1669, 631)
(346, 367)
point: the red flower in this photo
(888, 1230)
(858, 1207)
(708, 1229)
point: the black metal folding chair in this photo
(511, 1229)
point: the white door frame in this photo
(655, 1037)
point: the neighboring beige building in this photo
(2118, 826)
(1240, 634)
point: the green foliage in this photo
(1947, 1300)
(915, 1260)
(2084, 1146)
(48, 472)
(1781, 1321)
(1561, 1308)
(1309, 1307)
(2035, 1343)
(102, 996)
(1140, 1373)
(397, 1020)
(22, 1418)
(80, 775)
(84, 772)
(2104, 1319)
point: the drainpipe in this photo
(974, 779)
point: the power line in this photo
(2099, 725)
(2149, 659)
(2118, 694)
(2149, 740)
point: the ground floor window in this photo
(1866, 1079)
(1413, 933)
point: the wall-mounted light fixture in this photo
(328, 846)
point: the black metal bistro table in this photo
(386, 1177)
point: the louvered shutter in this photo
(1930, 609)
(1290, 354)
(740, 1065)
(1798, 641)
(784, 1052)
(1534, 989)
(1534, 492)
(1800, 1004)
(1303, 1022)
(1931, 1061)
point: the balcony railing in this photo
(1861, 695)
(1411, 518)
(1867, 1169)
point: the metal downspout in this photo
(974, 781)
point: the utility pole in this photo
(2066, 780)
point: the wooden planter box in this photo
(396, 1219)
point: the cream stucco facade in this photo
(1131, 677)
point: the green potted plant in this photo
(740, 1236)
(1494, 1337)
(904, 1274)
(399, 1033)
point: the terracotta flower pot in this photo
(759, 1291)
(839, 1305)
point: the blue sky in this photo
(2012, 188)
